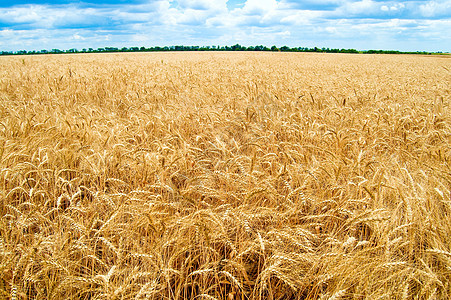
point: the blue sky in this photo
(362, 24)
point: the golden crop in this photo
(225, 176)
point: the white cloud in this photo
(76, 36)
(21, 14)
(284, 34)
(301, 17)
(40, 16)
(392, 7)
(397, 6)
(349, 23)
(258, 7)
(436, 8)
(219, 5)
(331, 29)
(360, 7)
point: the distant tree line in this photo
(236, 47)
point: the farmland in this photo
(225, 176)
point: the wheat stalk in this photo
(225, 176)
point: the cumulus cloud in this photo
(40, 16)
(434, 9)
(331, 23)
(258, 7)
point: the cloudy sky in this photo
(362, 24)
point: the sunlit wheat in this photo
(225, 176)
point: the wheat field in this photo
(225, 176)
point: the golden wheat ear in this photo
(238, 175)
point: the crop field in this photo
(225, 176)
